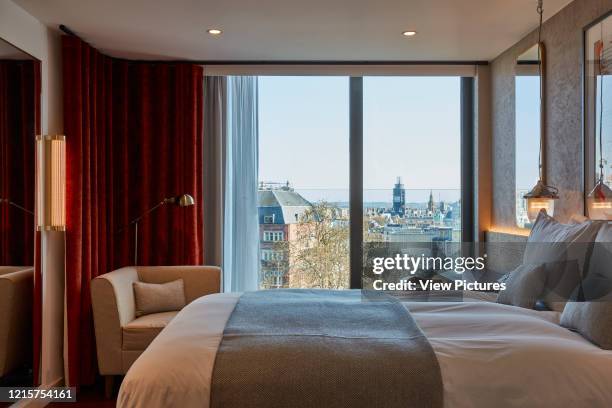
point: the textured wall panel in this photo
(563, 38)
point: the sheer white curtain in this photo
(241, 225)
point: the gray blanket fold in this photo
(318, 348)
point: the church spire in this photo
(430, 203)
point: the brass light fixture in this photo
(51, 183)
(183, 200)
(599, 200)
(541, 196)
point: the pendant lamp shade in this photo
(541, 197)
(599, 202)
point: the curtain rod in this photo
(68, 31)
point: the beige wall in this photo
(27, 33)
(563, 37)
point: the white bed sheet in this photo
(490, 355)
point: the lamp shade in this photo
(185, 200)
(541, 197)
(599, 202)
(51, 182)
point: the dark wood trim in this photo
(467, 159)
(356, 180)
(597, 20)
(586, 160)
(543, 135)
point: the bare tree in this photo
(319, 250)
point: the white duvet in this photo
(490, 355)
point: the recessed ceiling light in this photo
(409, 33)
(214, 31)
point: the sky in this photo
(527, 94)
(411, 130)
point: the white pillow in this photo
(552, 241)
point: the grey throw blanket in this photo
(318, 348)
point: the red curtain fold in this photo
(133, 138)
(19, 117)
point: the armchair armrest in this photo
(112, 300)
(16, 290)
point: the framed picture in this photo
(597, 67)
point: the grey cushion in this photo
(524, 286)
(600, 265)
(159, 297)
(593, 320)
(562, 280)
(592, 317)
(551, 241)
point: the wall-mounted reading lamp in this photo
(183, 200)
(51, 182)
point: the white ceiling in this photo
(10, 52)
(351, 30)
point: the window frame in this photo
(468, 174)
(466, 71)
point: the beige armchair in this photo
(121, 336)
(16, 297)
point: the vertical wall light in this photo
(51, 181)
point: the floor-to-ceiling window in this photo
(410, 136)
(303, 181)
(411, 165)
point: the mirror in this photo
(528, 74)
(19, 124)
(598, 118)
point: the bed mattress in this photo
(490, 355)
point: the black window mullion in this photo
(467, 159)
(356, 179)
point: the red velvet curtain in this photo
(133, 138)
(19, 119)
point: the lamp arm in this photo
(150, 210)
(9, 202)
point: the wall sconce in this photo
(51, 182)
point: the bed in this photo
(489, 355)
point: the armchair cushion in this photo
(139, 333)
(159, 297)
